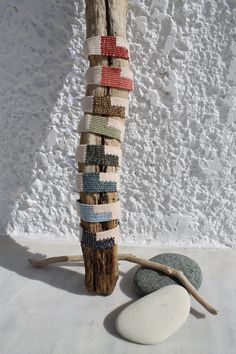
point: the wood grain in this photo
(103, 17)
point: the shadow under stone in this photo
(110, 319)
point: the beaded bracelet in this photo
(101, 239)
(105, 155)
(95, 182)
(107, 105)
(107, 45)
(112, 127)
(110, 76)
(99, 212)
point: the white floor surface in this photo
(49, 311)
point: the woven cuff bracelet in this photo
(102, 239)
(99, 212)
(112, 127)
(104, 155)
(107, 45)
(107, 105)
(94, 182)
(110, 76)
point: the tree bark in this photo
(103, 17)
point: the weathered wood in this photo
(141, 261)
(103, 17)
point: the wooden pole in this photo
(103, 17)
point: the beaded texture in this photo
(95, 182)
(110, 76)
(88, 240)
(105, 116)
(105, 155)
(106, 105)
(110, 46)
(99, 212)
(102, 239)
(112, 127)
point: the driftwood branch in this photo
(103, 17)
(172, 272)
(141, 261)
(41, 263)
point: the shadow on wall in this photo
(34, 62)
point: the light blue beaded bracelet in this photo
(99, 212)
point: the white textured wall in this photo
(179, 167)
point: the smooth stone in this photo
(148, 280)
(154, 317)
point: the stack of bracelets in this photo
(104, 116)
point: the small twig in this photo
(37, 263)
(143, 262)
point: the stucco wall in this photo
(179, 165)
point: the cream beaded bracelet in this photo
(112, 127)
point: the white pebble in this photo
(155, 317)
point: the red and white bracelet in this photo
(107, 45)
(110, 76)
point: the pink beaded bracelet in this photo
(110, 76)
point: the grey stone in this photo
(148, 280)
